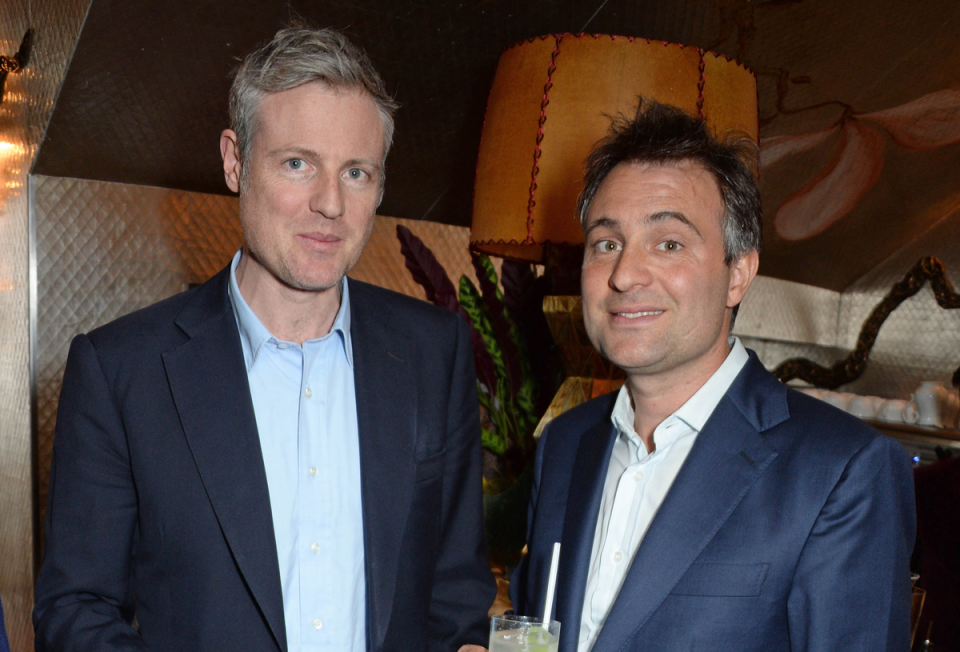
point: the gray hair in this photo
(298, 55)
(660, 134)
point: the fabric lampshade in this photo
(551, 100)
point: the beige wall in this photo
(26, 108)
(919, 341)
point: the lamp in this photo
(550, 102)
(17, 62)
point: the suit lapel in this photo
(208, 380)
(729, 455)
(387, 421)
(579, 528)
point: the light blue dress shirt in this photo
(306, 411)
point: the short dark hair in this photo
(660, 134)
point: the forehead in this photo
(318, 110)
(639, 189)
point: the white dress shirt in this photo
(306, 411)
(636, 484)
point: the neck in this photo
(289, 314)
(658, 395)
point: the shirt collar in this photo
(253, 334)
(698, 407)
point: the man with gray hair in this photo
(283, 458)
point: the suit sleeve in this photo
(851, 589)
(463, 587)
(84, 596)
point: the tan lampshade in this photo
(550, 102)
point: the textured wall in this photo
(919, 341)
(26, 107)
(106, 249)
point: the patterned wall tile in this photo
(789, 312)
(920, 340)
(26, 108)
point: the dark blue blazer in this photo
(4, 643)
(158, 501)
(789, 527)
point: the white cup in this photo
(910, 413)
(862, 407)
(931, 397)
(892, 410)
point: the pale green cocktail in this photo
(522, 633)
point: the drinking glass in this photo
(523, 633)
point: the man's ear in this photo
(743, 270)
(230, 152)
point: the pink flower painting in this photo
(929, 122)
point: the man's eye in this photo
(356, 174)
(608, 246)
(670, 245)
(295, 164)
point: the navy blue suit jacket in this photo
(158, 501)
(4, 644)
(789, 527)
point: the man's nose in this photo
(633, 268)
(327, 196)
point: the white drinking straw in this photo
(551, 584)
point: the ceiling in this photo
(144, 102)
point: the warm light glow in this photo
(10, 149)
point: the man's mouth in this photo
(642, 313)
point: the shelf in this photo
(920, 441)
(912, 431)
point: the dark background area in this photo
(144, 100)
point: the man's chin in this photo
(312, 285)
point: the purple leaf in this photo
(481, 357)
(516, 279)
(427, 271)
(500, 326)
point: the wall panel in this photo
(27, 104)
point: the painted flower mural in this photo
(929, 122)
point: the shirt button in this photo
(281, 345)
(308, 392)
(317, 623)
(312, 470)
(314, 548)
(638, 476)
(617, 556)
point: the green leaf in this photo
(492, 441)
(472, 303)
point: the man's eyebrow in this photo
(363, 161)
(601, 222)
(663, 216)
(300, 151)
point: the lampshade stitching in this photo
(531, 203)
(700, 84)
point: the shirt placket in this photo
(314, 503)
